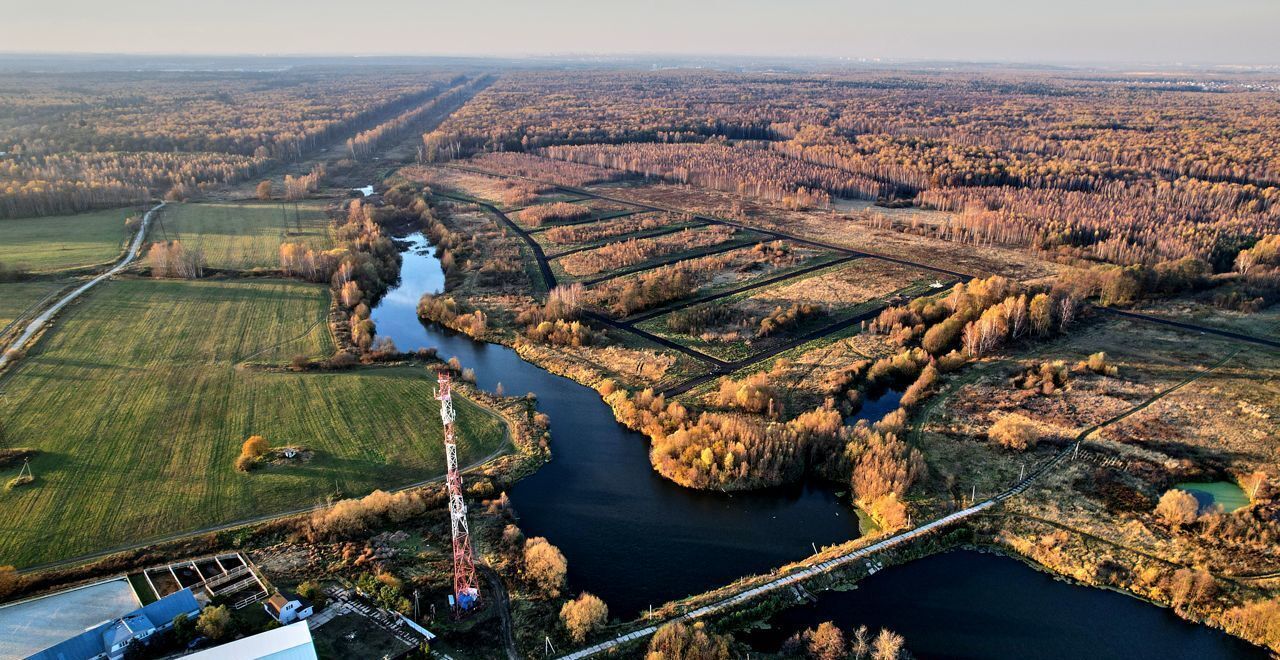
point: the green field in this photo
(244, 236)
(57, 242)
(16, 297)
(138, 409)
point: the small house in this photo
(287, 609)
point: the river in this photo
(631, 537)
(965, 604)
(635, 539)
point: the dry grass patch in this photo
(698, 276)
(848, 285)
(637, 251)
(845, 229)
(543, 169)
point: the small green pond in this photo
(1209, 493)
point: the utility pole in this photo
(160, 218)
(548, 647)
(1022, 470)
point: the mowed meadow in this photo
(245, 235)
(138, 401)
(60, 242)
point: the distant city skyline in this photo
(1083, 31)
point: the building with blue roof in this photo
(109, 639)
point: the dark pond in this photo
(631, 537)
(966, 604)
(876, 405)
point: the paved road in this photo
(40, 321)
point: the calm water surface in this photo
(965, 604)
(875, 407)
(635, 539)
(631, 537)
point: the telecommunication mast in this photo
(466, 594)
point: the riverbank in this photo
(572, 362)
(598, 500)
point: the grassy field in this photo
(138, 410)
(63, 241)
(16, 297)
(244, 236)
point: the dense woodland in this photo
(1114, 169)
(73, 142)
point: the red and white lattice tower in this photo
(465, 592)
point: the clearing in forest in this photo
(137, 409)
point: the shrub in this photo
(349, 517)
(921, 387)
(9, 581)
(1097, 363)
(1014, 431)
(952, 362)
(256, 446)
(1178, 508)
(781, 320)
(583, 616)
(312, 591)
(889, 512)
(827, 642)
(251, 452)
(677, 641)
(544, 566)
(752, 394)
(214, 622)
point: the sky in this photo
(1052, 31)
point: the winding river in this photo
(635, 539)
(631, 537)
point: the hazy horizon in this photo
(1083, 32)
